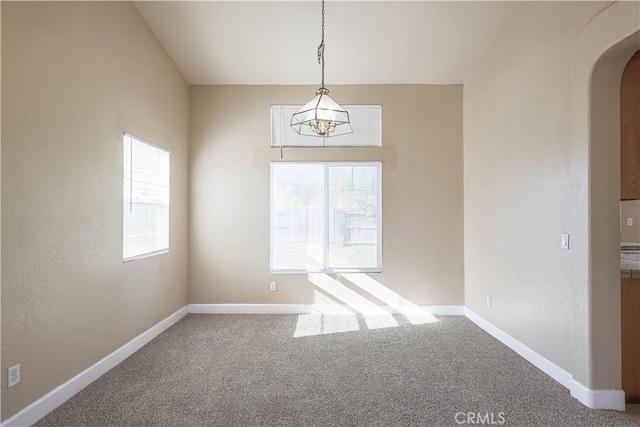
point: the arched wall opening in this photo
(605, 212)
(598, 58)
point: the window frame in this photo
(325, 248)
(133, 139)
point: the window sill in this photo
(147, 255)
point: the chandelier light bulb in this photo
(322, 127)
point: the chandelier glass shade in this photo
(322, 116)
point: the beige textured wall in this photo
(75, 76)
(518, 179)
(630, 209)
(422, 191)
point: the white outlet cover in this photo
(564, 241)
(629, 222)
(488, 300)
(13, 375)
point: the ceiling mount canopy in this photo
(322, 116)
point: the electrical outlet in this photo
(564, 241)
(629, 222)
(488, 300)
(273, 287)
(13, 375)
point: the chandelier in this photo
(322, 116)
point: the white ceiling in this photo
(367, 42)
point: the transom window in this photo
(326, 217)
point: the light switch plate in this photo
(564, 241)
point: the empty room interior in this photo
(299, 213)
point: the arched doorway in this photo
(599, 56)
(606, 196)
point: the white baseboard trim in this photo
(592, 398)
(56, 397)
(540, 362)
(250, 308)
(598, 399)
(438, 310)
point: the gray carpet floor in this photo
(250, 370)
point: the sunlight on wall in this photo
(374, 316)
(414, 314)
(324, 304)
(338, 305)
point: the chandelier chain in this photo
(321, 47)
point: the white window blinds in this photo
(326, 217)
(366, 121)
(146, 199)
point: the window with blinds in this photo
(366, 121)
(146, 199)
(326, 217)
